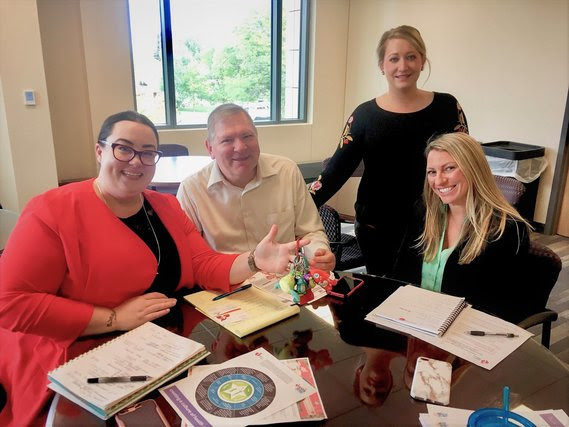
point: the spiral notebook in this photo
(147, 350)
(421, 309)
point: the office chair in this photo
(8, 220)
(3, 397)
(511, 188)
(344, 246)
(170, 150)
(541, 274)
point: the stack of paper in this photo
(148, 350)
(485, 351)
(255, 388)
(440, 416)
(427, 311)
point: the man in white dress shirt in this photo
(236, 199)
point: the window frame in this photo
(275, 73)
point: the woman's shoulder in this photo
(514, 225)
(63, 196)
(367, 108)
(515, 236)
(444, 99)
(161, 199)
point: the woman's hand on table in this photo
(141, 309)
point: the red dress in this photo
(67, 254)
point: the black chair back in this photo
(511, 188)
(540, 275)
(344, 246)
(170, 150)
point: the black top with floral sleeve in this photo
(392, 148)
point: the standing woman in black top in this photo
(390, 133)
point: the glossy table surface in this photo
(174, 169)
(363, 372)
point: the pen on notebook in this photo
(126, 379)
(239, 289)
(498, 334)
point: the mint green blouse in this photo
(432, 272)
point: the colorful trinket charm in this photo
(299, 280)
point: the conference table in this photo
(172, 170)
(364, 372)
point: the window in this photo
(191, 55)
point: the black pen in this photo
(126, 379)
(498, 334)
(239, 289)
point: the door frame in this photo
(559, 176)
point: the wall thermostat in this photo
(29, 97)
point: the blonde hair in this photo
(486, 207)
(405, 32)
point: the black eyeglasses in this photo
(124, 153)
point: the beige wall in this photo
(110, 79)
(106, 43)
(64, 59)
(89, 74)
(26, 145)
(506, 61)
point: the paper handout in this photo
(241, 391)
(244, 312)
(484, 351)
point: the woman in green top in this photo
(468, 240)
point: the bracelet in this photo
(251, 261)
(112, 318)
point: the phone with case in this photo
(145, 413)
(345, 287)
(431, 381)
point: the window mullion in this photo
(303, 71)
(276, 58)
(168, 64)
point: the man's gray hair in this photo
(222, 111)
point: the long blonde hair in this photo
(486, 207)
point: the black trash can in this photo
(514, 154)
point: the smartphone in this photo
(431, 381)
(145, 413)
(345, 287)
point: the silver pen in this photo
(498, 334)
(126, 379)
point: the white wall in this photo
(506, 61)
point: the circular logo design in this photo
(235, 392)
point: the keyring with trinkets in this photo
(299, 280)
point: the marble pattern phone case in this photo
(431, 381)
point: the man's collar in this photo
(215, 176)
(265, 169)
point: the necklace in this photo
(147, 219)
(153, 232)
